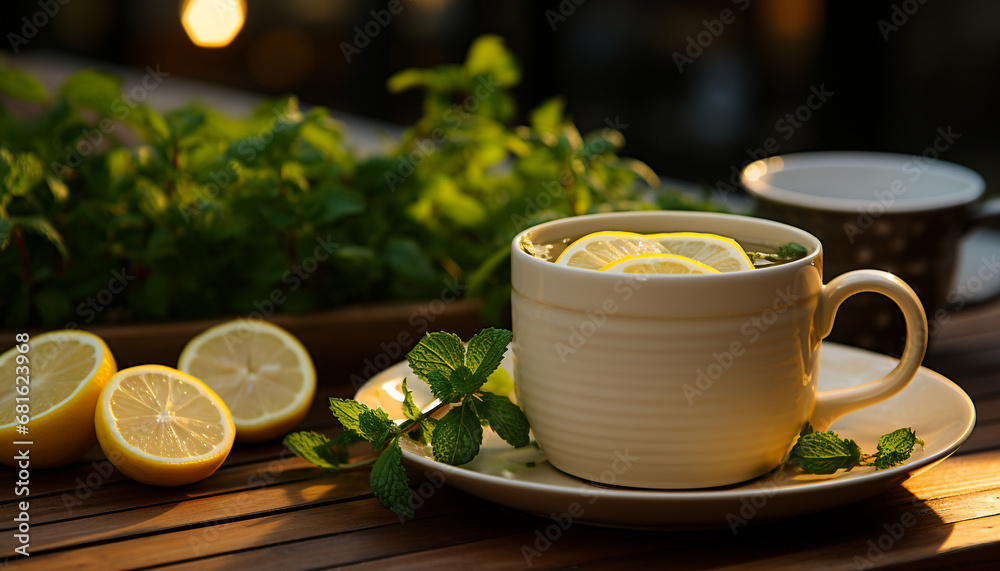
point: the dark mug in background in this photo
(903, 214)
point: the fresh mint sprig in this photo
(826, 452)
(455, 374)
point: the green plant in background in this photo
(192, 213)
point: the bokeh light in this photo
(213, 23)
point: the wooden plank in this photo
(93, 471)
(838, 536)
(345, 548)
(859, 541)
(935, 548)
(956, 475)
(573, 546)
(242, 540)
(200, 511)
(936, 543)
(127, 495)
(971, 557)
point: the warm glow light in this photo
(755, 170)
(213, 23)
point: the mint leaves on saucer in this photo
(894, 448)
(825, 452)
(455, 374)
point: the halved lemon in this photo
(658, 264)
(719, 252)
(262, 372)
(161, 426)
(594, 251)
(54, 385)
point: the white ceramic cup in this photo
(684, 381)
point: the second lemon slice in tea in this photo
(262, 372)
(160, 426)
(658, 264)
(719, 252)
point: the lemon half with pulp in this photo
(55, 385)
(161, 426)
(262, 372)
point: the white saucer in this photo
(938, 411)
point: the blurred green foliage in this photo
(110, 211)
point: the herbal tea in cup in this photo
(702, 375)
(663, 253)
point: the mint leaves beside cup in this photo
(455, 374)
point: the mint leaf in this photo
(894, 448)
(347, 412)
(486, 351)
(453, 387)
(505, 418)
(807, 429)
(374, 426)
(21, 84)
(465, 381)
(314, 447)
(457, 436)
(427, 428)
(437, 351)
(42, 227)
(409, 408)
(93, 89)
(389, 481)
(791, 251)
(824, 453)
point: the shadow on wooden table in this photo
(868, 534)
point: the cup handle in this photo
(984, 213)
(832, 404)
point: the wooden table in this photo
(266, 509)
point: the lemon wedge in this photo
(594, 251)
(658, 264)
(55, 385)
(161, 426)
(262, 372)
(719, 252)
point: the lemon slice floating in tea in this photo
(262, 372)
(160, 426)
(719, 252)
(594, 251)
(658, 264)
(56, 384)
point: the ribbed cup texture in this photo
(665, 402)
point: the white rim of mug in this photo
(750, 178)
(813, 244)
